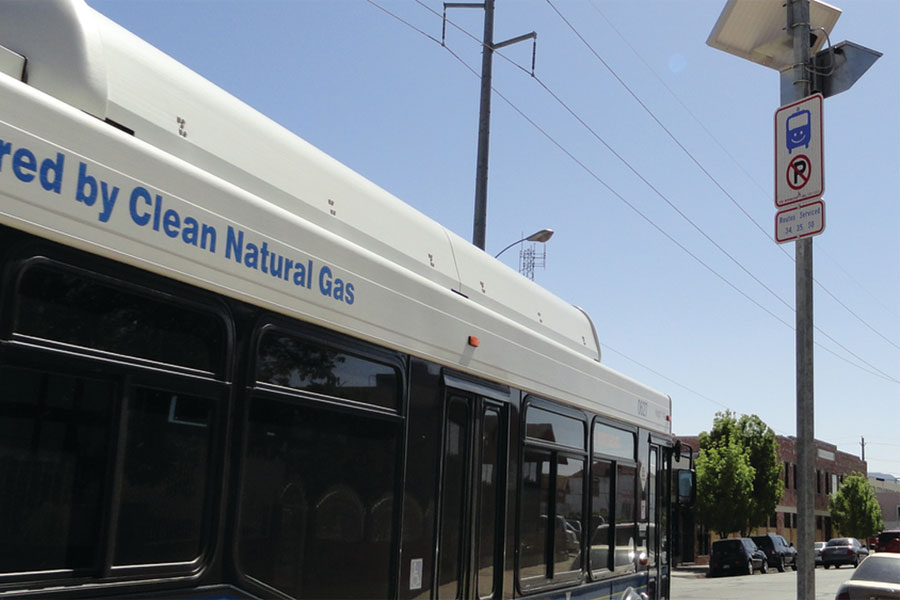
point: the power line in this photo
(872, 370)
(700, 166)
(711, 178)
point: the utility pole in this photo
(484, 113)
(799, 29)
(484, 128)
(862, 443)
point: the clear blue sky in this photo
(661, 193)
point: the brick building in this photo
(832, 466)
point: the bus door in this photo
(473, 487)
(659, 469)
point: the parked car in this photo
(888, 541)
(843, 551)
(779, 553)
(736, 555)
(876, 577)
(819, 546)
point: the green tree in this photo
(854, 508)
(724, 487)
(760, 448)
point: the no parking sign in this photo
(799, 162)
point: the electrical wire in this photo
(718, 185)
(722, 147)
(872, 370)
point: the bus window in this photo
(652, 516)
(601, 512)
(305, 364)
(60, 496)
(614, 531)
(165, 482)
(317, 500)
(454, 542)
(80, 309)
(552, 506)
(626, 511)
(55, 440)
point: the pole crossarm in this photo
(522, 38)
(455, 5)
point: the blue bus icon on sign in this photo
(798, 130)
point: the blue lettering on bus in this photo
(25, 165)
(86, 193)
(140, 218)
(303, 275)
(85, 181)
(259, 257)
(51, 173)
(5, 149)
(148, 210)
(171, 223)
(334, 287)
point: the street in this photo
(771, 586)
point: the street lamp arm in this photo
(538, 236)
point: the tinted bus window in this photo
(626, 512)
(303, 364)
(317, 509)
(601, 514)
(613, 441)
(166, 478)
(535, 528)
(453, 534)
(551, 517)
(614, 529)
(491, 438)
(57, 304)
(552, 427)
(55, 441)
(58, 448)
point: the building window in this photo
(787, 475)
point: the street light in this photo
(538, 236)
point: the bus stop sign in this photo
(799, 161)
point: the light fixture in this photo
(538, 236)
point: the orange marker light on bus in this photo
(474, 341)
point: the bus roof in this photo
(81, 58)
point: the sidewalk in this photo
(690, 570)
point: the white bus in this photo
(230, 367)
